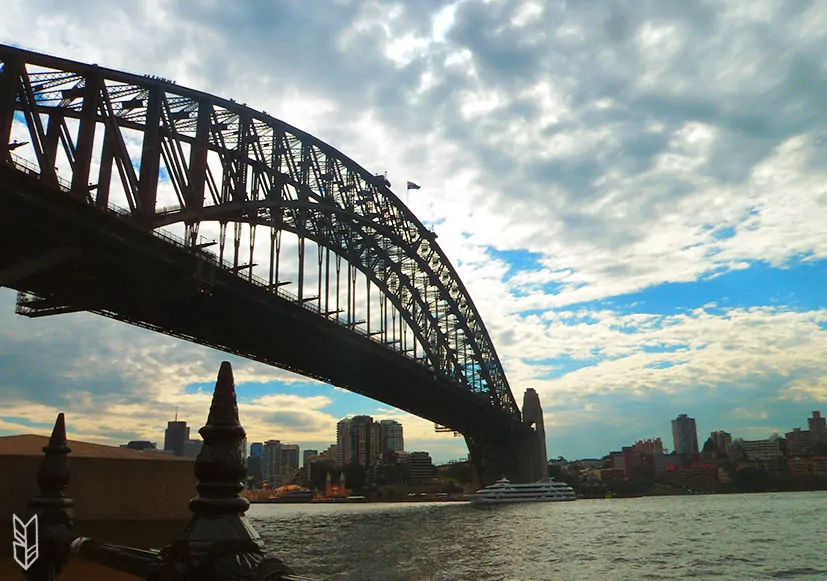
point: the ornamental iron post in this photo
(52, 506)
(218, 544)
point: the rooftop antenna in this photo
(176, 413)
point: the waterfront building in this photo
(358, 441)
(760, 450)
(290, 454)
(256, 448)
(722, 441)
(307, 455)
(818, 427)
(799, 443)
(419, 467)
(176, 436)
(365, 441)
(343, 432)
(650, 446)
(270, 460)
(632, 462)
(254, 469)
(807, 467)
(192, 448)
(391, 436)
(685, 435)
(331, 454)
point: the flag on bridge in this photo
(412, 186)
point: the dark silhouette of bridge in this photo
(117, 192)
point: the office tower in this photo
(289, 460)
(270, 460)
(722, 441)
(256, 448)
(391, 436)
(176, 436)
(685, 435)
(307, 454)
(192, 448)
(365, 441)
(343, 429)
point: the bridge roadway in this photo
(80, 258)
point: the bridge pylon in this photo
(517, 453)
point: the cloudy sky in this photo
(633, 193)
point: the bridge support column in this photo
(518, 453)
(504, 455)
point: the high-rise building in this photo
(685, 435)
(343, 431)
(722, 441)
(289, 460)
(244, 448)
(391, 436)
(799, 443)
(365, 441)
(192, 448)
(255, 448)
(818, 427)
(270, 460)
(254, 469)
(331, 454)
(651, 446)
(358, 441)
(176, 436)
(307, 454)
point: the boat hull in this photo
(480, 501)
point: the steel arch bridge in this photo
(114, 185)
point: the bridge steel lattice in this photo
(113, 184)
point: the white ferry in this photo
(502, 491)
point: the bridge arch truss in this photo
(284, 208)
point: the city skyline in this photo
(639, 226)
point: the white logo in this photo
(25, 541)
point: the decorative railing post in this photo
(219, 544)
(52, 507)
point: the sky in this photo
(632, 192)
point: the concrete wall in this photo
(105, 488)
(138, 502)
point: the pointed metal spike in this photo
(58, 437)
(224, 408)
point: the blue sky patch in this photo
(27, 423)
(517, 260)
(799, 287)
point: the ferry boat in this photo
(502, 492)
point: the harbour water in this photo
(755, 536)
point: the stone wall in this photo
(133, 496)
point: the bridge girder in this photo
(214, 160)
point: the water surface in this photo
(756, 536)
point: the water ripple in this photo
(711, 537)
